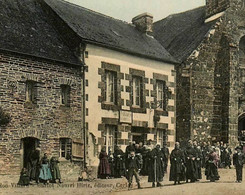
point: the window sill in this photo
(30, 105)
(161, 112)
(138, 109)
(62, 106)
(109, 106)
(62, 159)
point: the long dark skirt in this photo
(212, 172)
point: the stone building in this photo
(129, 90)
(40, 89)
(130, 78)
(209, 43)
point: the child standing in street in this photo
(133, 167)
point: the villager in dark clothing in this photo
(104, 167)
(198, 160)
(34, 165)
(177, 168)
(227, 156)
(190, 155)
(238, 161)
(204, 154)
(24, 178)
(165, 151)
(112, 164)
(45, 174)
(212, 166)
(129, 148)
(156, 167)
(133, 168)
(222, 155)
(55, 171)
(119, 159)
(146, 160)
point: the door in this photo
(29, 145)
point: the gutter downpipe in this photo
(82, 50)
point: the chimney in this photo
(143, 22)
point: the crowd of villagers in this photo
(42, 170)
(186, 162)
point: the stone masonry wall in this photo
(215, 80)
(46, 120)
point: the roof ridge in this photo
(90, 10)
(179, 13)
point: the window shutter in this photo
(77, 148)
(115, 89)
(141, 92)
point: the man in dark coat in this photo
(129, 148)
(198, 160)
(35, 165)
(119, 159)
(146, 160)
(227, 156)
(238, 161)
(190, 155)
(133, 167)
(177, 168)
(156, 169)
(222, 154)
(165, 152)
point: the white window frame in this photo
(110, 138)
(67, 141)
(160, 134)
(137, 84)
(160, 85)
(110, 96)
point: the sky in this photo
(127, 9)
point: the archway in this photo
(29, 144)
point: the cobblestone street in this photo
(226, 185)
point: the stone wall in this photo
(213, 74)
(46, 119)
(216, 6)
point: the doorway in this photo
(138, 137)
(29, 144)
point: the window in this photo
(137, 91)
(65, 95)
(111, 87)
(110, 138)
(65, 148)
(160, 137)
(160, 94)
(30, 91)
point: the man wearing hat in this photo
(191, 156)
(130, 148)
(238, 161)
(156, 166)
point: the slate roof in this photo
(93, 27)
(181, 33)
(24, 29)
